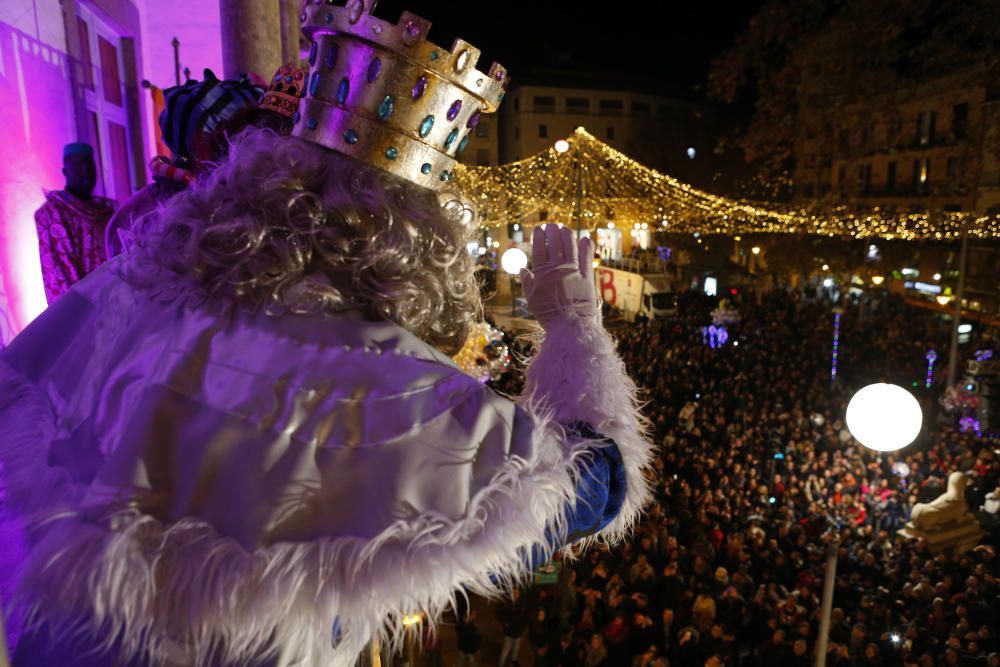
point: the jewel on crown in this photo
(383, 94)
(285, 90)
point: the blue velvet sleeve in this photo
(600, 491)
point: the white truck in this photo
(632, 293)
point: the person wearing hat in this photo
(199, 120)
(71, 224)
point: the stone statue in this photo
(946, 521)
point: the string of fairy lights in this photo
(614, 188)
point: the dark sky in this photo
(669, 43)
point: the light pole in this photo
(512, 261)
(829, 578)
(882, 417)
(562, 146)
(953, 352)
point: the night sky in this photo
(670, 47)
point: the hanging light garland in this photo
(615, 189)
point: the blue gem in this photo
(435, 55)
(374, 70)
(391, 153)
(314, 84)
(289, 79)
(331, 56)
(342, 90)
(313, 50)
(329, 18)
(385, 109)
(425, 168)
(351, 137)
(451, 139)
(312, 123)
(463, 143)
(445, 175)
(296, 116)
(425, 127)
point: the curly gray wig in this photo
(289, 226)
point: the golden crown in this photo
(285, 90)
(381, 93)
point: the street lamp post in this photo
(579, 196)
(885, 418)
(829, 578)
(562, 146)
(512, 261)
(953, 352)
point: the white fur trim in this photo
(578, 376)
(182, 593)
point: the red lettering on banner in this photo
(608, 287)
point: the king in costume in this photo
(243, 442)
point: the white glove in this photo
(561, 285)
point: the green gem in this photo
(435, 55)
(451, 139)
(391, 152)
(385, 109)
(425, 168)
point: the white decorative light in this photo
(562, 146)
(884, 417)
(513, 261)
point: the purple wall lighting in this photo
(37, 119)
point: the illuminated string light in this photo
(931, 358)
(614, 187)
(836, 346)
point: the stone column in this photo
(251, 37)
(291, 30)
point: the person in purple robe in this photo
(245, 442)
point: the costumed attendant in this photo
(71, 224)
(244, 442)
(199, 120)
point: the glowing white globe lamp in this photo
(562, 146)
(513, 261)
(884, 417)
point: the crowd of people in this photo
(756, 477)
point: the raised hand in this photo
(560, 285)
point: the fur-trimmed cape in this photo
(194, 489)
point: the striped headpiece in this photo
(202, 106)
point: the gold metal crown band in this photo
(381, 93)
